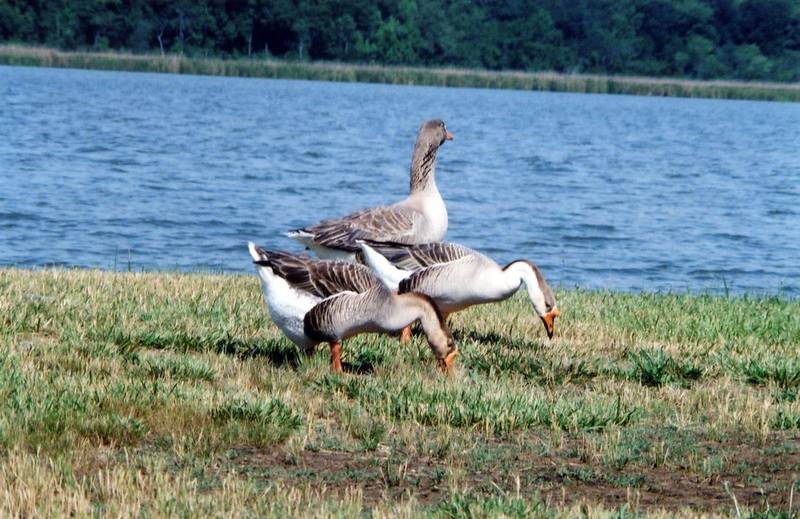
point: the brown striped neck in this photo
(423, 165)
(426, 305)
(433, 322)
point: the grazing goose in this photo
(314, 301)
(420, 218)
(457, 277)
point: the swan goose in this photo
(457, 277)
(314, 301)
(420, 218)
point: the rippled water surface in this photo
(146, 171)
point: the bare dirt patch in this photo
(759, 475)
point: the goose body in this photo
(294, 284)
(314, 301)
(420, 218)
(457, 277)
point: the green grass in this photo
(447, 77)
(174, 395)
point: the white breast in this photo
(435, 216)
(287, 306)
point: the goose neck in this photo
(423, 167)
(520, 273)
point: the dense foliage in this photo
(746, 39)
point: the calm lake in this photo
(147, 171)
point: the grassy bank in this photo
(174, 395)
(452, 77)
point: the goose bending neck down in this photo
(523, 272)
(457, 277)
(314, 301)
(340, 318)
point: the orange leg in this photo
(405, 335)
(336, 357)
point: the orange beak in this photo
(448, 136)
(446, 364)
(549, 321)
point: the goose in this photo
(420, 218)
(314, 301)
(457, 277)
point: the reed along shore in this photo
(445, 77)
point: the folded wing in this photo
(321, 278)
(416, 257)
(392, 223)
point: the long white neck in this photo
(520, 273)
(389, 275)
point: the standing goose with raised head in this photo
(314, 301)
(457, 277)
(420, 218)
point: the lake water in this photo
(148, 171)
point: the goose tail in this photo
(302, 236)
(259, 255)
(389, 275)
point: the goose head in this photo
(433, 132)
(544, 304)
(437, 332)
(440, 337)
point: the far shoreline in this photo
(16, 55)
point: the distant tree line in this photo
(745, 39)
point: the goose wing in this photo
(394, 223)
(344, 315)
(416, 257)
(322, 278)
(438, 280)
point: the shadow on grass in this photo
(495, 339)
(279, 352)
(358, 368)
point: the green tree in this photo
(16, 21)
(750, 39)
(751, 63)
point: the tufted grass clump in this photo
(166, 394)
(654, 367)
(178, 368)
(782, 372)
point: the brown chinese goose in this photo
(457, 277)
(420, 218)
(314, 301)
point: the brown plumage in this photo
(376, 223)
(420, 218)
(420, 256)
(321, 278)
(315, 301)
(457, 277)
